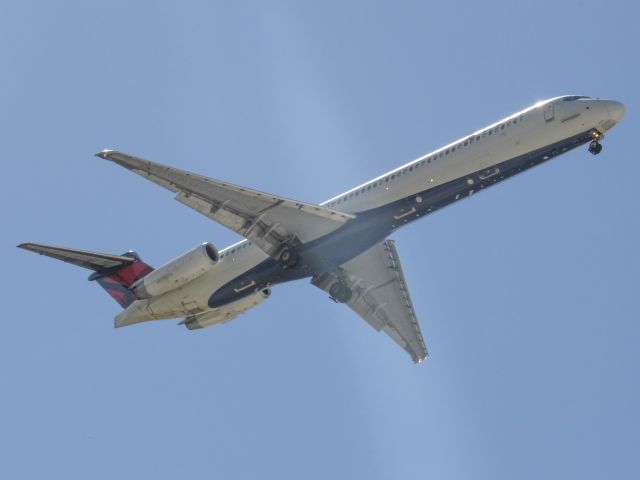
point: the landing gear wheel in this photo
(340, 292)
(288, 258)
(595, 147)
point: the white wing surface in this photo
(266, 220)
(380, 295)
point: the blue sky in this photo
(527, 294)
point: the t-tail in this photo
(115, 273)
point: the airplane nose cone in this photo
(616, 110)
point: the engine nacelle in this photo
(228, 312)
(177, 272)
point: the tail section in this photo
(117, 282)
(114, 273)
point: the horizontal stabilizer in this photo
(82, 258)
(115, 273)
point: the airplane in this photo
(342, 244)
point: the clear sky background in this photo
(527, 293)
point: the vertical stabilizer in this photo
(117, 282)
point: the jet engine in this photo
(177, 272)
(228, 312)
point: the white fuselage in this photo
(543, 124)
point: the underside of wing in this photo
(269, 221)
(82, 258)
(379, 294)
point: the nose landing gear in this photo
(595, 147)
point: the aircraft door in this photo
(548, 112)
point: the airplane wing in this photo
(266, 220)
(82, 258)
(380, 295)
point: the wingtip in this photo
(29, 247)
(419, 360)
(105, 153)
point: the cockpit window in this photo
(573, 97)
